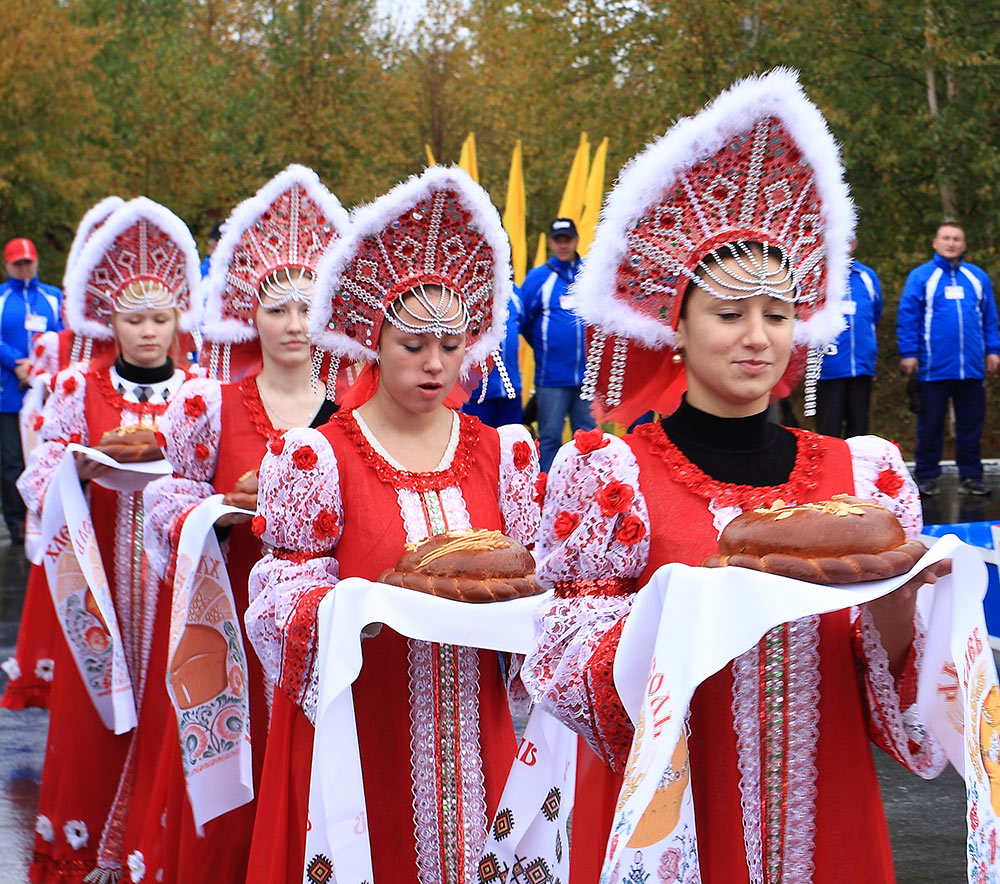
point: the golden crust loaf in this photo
(843, 540)
(466, 566)
(132, 444)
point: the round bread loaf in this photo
(132, 444)
(244, 493)
(843, 540)
(466, 566)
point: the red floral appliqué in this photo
(69, 385)
(326, 525)
(522, 454)
(75, 438)
(258, 525)
(201, 451)
(631, 530)
(194, 406)
(615, 498)
(160, 439)
(36, 424)
(589, 440)
(304, 458)
(565, 524)
(540, 485)
(889, 482)
(277, 445)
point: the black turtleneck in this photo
(142, 374)
(741, 450)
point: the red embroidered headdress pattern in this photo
(286, 226)
(437, 229)
(141, 247)
(758, 164)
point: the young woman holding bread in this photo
(416, 291)
(132, 284)
(257, 299)
(720, 257)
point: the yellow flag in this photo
(576, 184)
(526, 358)
(542, 252)
(514, 216)
(430, 156)
(593, 198)
(467, 159)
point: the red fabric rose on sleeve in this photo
(74, 438)
(304, 458)
(565, 524)
(201, 451)
(589, 440)
(160, 439)
(631, 530)
(36, 424)
(326, 525)
(615, 498)
(69, 385)
(889, 482)
(277, 445)
(522, 454)
(540, 484)
(194, 406)
(258, 525)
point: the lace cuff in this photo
(191, 428)
(569, 671)
(881, 475)
(165, 500)
(518, 473)
(276, 585)
(595, 524)
(894, 724)
(45, 354)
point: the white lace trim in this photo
(520, 512)
(870, 457)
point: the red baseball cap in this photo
(20, 250)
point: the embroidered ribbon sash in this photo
(337, 837)
(207, 678)
(79, 586)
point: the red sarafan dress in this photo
(84, 760)
(615, 510)
(31, 669)
(213, 434)
(428, 715)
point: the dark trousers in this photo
(842, 406)
(969, 401)
(496, 412)
(11, 466)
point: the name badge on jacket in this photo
(954, 292)
(849, 308)
(33, 322)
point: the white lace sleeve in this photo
(518, 475)
(63, 421)
(881, 475)
(299, 517)
(190, 430)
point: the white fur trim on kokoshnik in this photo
(674, 177)
(438, 228)
(94, 218)
(140, 240)
(244, 255)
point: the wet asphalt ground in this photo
(926, 819)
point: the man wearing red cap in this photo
(28, 307)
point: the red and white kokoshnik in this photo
(438, 229)
(141, 246)
(758, 164)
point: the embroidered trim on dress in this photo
(255, 408)
(110, 395)
(602, 586)
(465, 455)
(803, 479)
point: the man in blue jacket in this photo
(27, 308)
(844, 390)
(946, 330)
(497, 408)
(556, 335)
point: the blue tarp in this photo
(978, 534)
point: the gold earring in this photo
(678, 357)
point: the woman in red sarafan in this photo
(132, 285)
(31, 669)
(418, 291)
(257, 298)
(722, 252)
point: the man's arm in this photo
(908, 318)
